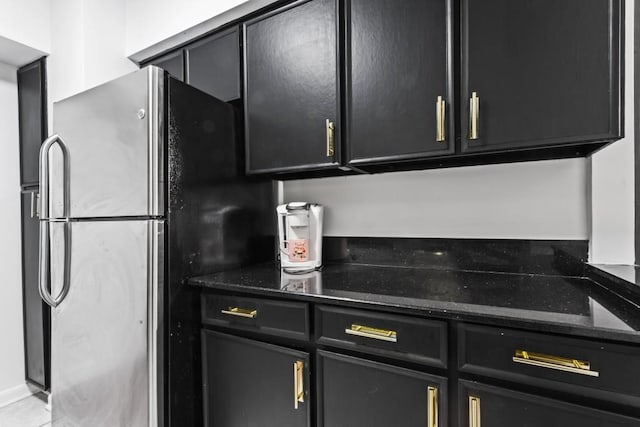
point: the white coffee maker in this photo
(300, 231)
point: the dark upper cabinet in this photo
(292, 117)
(544, 73)
(35, 311)
(398, 65)
(359, 392)
(213, 65)
(483, 405)
(250, 383)
(32, 117)
(172, 62)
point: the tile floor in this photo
(28, 412)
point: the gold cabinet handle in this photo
(331, 144)
(298, 383)
(432, 415)
(241, 312)
(554, 362)
(474, 115)
(475, 419)
(441, 107)
(376, 334)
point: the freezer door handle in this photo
(43, 270)
(44, 176)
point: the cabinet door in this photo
(544, 72)
(33, 124)
(291, 89)
(482, 405)
(213, 65)
(358, 392)
(398, 55)
(36, 312)
(249, 383)
(173, 63)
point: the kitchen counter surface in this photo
(557, 304)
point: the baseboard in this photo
(14, 394)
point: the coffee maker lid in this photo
(297, 206)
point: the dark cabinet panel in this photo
(592, 368)
(544, 73)
(250, 383)
(482, 405)
(213, 65)
(172, 62)
(398, 64)
(358, 392)
(291, 89)
(36, 312)
(32, 117)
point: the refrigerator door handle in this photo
(43, 253)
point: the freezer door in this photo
(105, 357)
(113, 139)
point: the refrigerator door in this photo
(105, 332)
(112, 138)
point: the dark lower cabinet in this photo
(32, 119)
(36, 312)
(359, 392)
(248, 383)
(539, 73)
(399, 80)
(483, 405)
(292, 89)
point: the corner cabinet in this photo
(399, 63)
(539, 73)
(292, 114)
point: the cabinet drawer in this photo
(282, 318)
(400, 337)
(587, 367)
(482, 405)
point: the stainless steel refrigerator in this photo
(141, 187)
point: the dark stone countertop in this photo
(548, 303)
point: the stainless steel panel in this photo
(104, 338)
(113, 135)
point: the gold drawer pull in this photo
(554, 362)
(441, 121)
(376, 334)
(241, 312)
(474, 412)
(432, 415)
(298, 383)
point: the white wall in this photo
(533, 200)
(11, 347)
(612, 179)
(151, 21)
(27, 22)
(87, 47)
